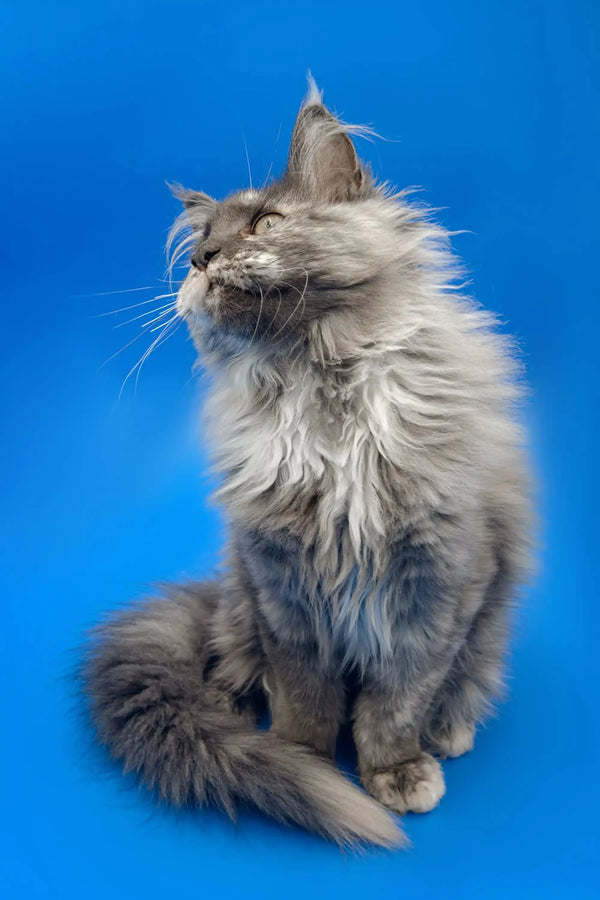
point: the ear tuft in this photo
(314, 96)
(322, 158)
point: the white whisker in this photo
(128, 344)
(156, 327)
(113, 312)
(300, 301)
(259, 315)
(161, 316)
(138, 365)
(247, 160)
(278, 308)
(264, 184)
(149, 312)
(163, 336)
(149, 287)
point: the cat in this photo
(362, 415)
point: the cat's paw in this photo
(453, 740)
(416, 785)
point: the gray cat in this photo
(362, 417)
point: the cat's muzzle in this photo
(192, 293)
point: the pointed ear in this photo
(198, 205)
(322, 156)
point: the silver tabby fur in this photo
(362, 419)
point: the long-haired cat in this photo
(362, 419)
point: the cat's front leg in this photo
(387, 724)
(307, 705)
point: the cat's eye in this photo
(266, 222)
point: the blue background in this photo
(493, 108)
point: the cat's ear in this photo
(322, 157)
(198, 205)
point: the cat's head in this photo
(272, 265)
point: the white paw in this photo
(416, 785)
(455, 740)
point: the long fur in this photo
(144, 671)
(362, 419)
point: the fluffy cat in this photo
(362, 419)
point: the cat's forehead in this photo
(238, 208)
(248, 202)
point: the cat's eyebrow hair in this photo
(249, 194)
(246, 207)
(261, 211)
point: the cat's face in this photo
(265, 264)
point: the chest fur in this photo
(344, 463)
(306, 458)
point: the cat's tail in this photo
(144, 678)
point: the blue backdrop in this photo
(493, 108)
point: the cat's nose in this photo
(201, 258)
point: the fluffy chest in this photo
(307, 451)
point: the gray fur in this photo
(362, 419)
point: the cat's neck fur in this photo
(369, 442)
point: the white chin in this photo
(192, 292)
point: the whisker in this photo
(247, 160)
(180, 251)
(149, 287)
(163, 336)
(148, 312)
(161, 316)
(276, 313)
(156, 327)
(132, 341)
(113, 312)
(144, 357)
(259, 315)
(264, 184)
(278, 305)
(301, 300)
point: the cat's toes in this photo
(453, 740)
(416, 785)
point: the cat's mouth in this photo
(204, 292)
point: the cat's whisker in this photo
(149, 312)
(161, 316)
(166, 310)
(149, 287)
(164, 334)
(175, 262)
(248, 161)
(167, 332)
(156, 327)
(175, 252)
(295, 310)
(268, 175)
(259, 315)
(128, 344)
(113, 312)
(276, 313)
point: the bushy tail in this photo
(144, 677)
